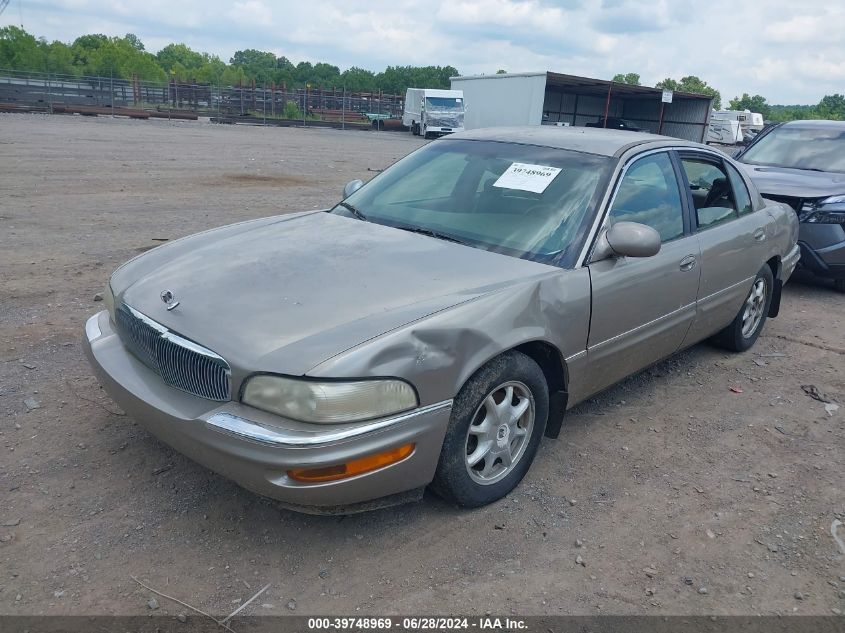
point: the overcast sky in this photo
(790, 51)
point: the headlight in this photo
(827, 211)
(108, 299)
(328, 402)
(834, 200)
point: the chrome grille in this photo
(181, 363)
(140, 335)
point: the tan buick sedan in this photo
(435, 325)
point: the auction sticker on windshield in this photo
(525, 177)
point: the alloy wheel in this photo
(754, 307)
(499, 432)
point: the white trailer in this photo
(723, 132)
(747, 119)
(432, 112)
(731, 127)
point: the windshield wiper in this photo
(824, 171)
(353, 211)
(431, 233)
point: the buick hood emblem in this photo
(169, 299)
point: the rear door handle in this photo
(760, 234)
(688, 263)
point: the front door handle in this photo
(688, 263)
(760, 234)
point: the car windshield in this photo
(444, 103)
(817, 149)
(520, 200)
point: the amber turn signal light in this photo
(352, 468)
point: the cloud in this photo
(627, 16)
(515, 14)
(626, 20)
(252, 13)
(797, 56)
(823, 28)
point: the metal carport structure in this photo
(559, 99)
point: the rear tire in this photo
(498, 419)
(744, 330)
(839, 284)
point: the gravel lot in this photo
(680, 495)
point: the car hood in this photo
(797, 183)
(285, 294)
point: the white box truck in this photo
(433, 112)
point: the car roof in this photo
(811, 124)
(580, 139)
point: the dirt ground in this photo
(680, 495)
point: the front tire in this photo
(744, 330)
(839, 284)
(498, 419)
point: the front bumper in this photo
(828, 261)
(437, 129)
(256, 449)
(823, 249)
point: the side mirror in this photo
(628, 239)
(351, 187)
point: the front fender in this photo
(439, 353)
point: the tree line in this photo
(124, 57)
(830, 107)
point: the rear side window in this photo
(712, 194)
(649, 194)
(741, 195)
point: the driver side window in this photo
(649, 194)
